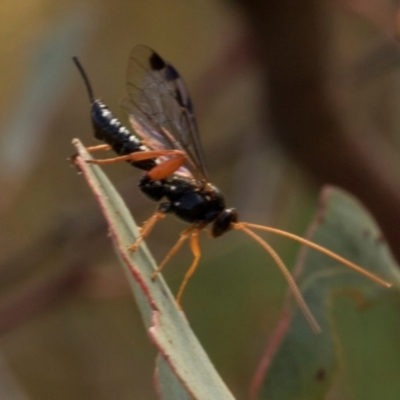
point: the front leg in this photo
(182, 238)
(146, 229)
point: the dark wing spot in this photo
(178, 98)
(156, 62)
(171, 74)
(189, 106)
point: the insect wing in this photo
(145, 126)
(160, 108)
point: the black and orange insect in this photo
(167, 147)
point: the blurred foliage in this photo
(309, 365)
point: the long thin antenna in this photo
(314, 246)
(292, 284)
(85, 78)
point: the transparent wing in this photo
(160, 109)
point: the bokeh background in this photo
(288, 97)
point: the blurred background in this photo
(288, 97)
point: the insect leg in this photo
(194, 245)
(146, 229)
(166, 168)
(140, 156)
(289, 278)
(183, 236)
(100, 147)
(90, 150)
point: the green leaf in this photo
(184, 370)
(302, 366)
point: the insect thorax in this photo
(185, 199)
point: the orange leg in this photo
(161, 171)
(110, 160)
(184, 235)
(100, 147)
(140, 156)
(89, 150)
(146, 229)
(166, 168)
(194, 245)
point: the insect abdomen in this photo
(108, 129)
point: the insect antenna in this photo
(289, 278)
(315, 246)
(85, 79)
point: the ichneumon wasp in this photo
(166, 145)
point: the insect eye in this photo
(223, 223)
